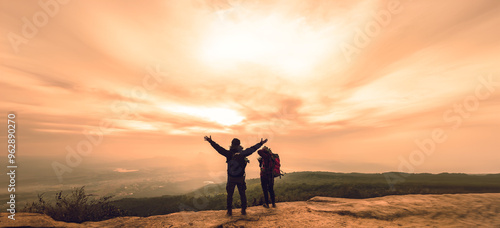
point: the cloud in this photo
(248, 68)
(121, 170)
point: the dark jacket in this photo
(265, 163)
(235, 158)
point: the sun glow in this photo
(222, 116)
(292, 47)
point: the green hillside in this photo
(301, 186)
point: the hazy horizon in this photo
(352, 86)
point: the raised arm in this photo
(216, 146)
(252, 149)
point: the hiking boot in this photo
(229, 212)
(266, 205)
(243, 211)
(274, 205)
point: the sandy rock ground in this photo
(449, 210)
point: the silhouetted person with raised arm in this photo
(236, 162)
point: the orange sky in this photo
(344, 86)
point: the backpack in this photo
(236, 165)
(274, 165)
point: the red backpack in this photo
(273, 165)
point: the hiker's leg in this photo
(230, 190)
(271, 190)
(243, 197)
(263, 183)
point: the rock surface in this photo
(449, 210)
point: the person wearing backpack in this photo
(266, 164)
(236, 163)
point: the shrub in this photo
(75, 207)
